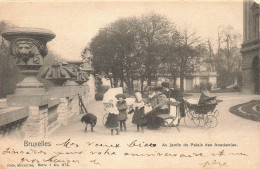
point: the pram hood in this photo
(111, 95)
(206, 98)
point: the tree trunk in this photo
(149, 79)
(116, 81)
(142, 85)
(122, 82)
(130, 87)
(111, 82)
(182, 81)
(174, 81)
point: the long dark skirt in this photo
(112, 121)
(139, 116)
(154, 122)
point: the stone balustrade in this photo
(42, 119)
(31, 110)
(12, 119)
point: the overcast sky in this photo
(76, 23)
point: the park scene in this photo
(146, 72)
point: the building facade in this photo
(191, 81)
(251, 47)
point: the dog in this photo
(91, 119)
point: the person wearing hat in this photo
(175, 94)
(151, 101)
(160, 107)
(139, 117)
(121, 106)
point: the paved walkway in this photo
(227, 122)
(231, 129)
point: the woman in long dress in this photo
(160, 106)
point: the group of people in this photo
(158, 99)
(158, 103)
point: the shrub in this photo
(223, 86)
(237, 88)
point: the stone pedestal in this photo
(86, 96)
(91, 84)
(63, 111)
(28, 48)
(53, 115)
(75, 109)
(37, 122)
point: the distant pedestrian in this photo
(122, 106)
(139, 117)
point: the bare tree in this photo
(227, 58)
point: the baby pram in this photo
(203, 114)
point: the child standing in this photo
(121, 106)
(138, 108)
(112, 119)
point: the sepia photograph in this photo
(141, 84)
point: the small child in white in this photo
(112, 118)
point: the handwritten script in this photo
(92, 153)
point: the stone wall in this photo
(12, 119)
(250, 47)
(41, 120)
(31, 108)
(249, 52)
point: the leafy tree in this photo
(131, 49)
(9, 72)
(154, 34)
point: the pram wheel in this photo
(211, 121)
(216, 113)
(188, 119)
(199, 120)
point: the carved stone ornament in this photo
(28, 44)
(28, 47)
(58, 73)
(82, 77)
(28, 51)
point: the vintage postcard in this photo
(130, 84)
